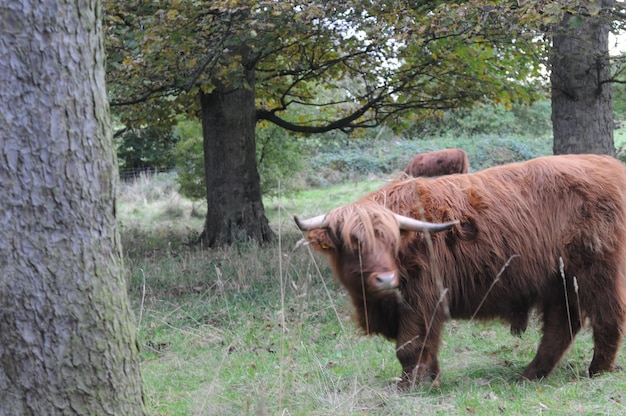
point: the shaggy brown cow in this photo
(498, 238)
(437, 163)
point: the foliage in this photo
(392, 57)
(279, 159)
(490, 136)
(520, 119)
(389, 157)
(144, 148)
(534, 120)
(490, 151)
(618, 91)
(375, 60)
(189, 159)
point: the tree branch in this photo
(345, 124)
(140, 99)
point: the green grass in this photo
(312, 202)
(245, 339)
(265, 330)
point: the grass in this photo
(317, 201)
(265, 330)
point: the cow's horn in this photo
(311, 223)
(411, 224)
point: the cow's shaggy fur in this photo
(437, 163)
(533, 215)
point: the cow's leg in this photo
(561, 323)
(607, 314)
(606, 343)
(519, 320)
(417, 352)
(602, 295)
(418, 365)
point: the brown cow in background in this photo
(549, 234)
(438, 163)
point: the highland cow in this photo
(548, 234)
(437, 163)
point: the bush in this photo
(353, 159)
(492, 151)
(533, 120)
(279, 160)
(144, 149)
(189, 159)
(482, 120)
(359, 159)
(522, 119)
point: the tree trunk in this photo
(582, 108)
(67, 338)
(235, 209)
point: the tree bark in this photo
(67, 338)
(235, 209)
(582, 107)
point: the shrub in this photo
(189, 159)
(279, 159)
(142, 149)
(482, 120)
(359, 159)
(533, 120)
(492, 151)
(521, 119)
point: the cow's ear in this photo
(320, 240)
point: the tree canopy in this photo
(379, 59)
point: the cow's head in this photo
(362, 242)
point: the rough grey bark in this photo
(582, 107)
(235, 209)
(67, 338)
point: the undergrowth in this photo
(353, 160)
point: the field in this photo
(265, 330)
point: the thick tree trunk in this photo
(582, 107)
(235, 209)
(67, 338)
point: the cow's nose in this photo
(385, 281)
